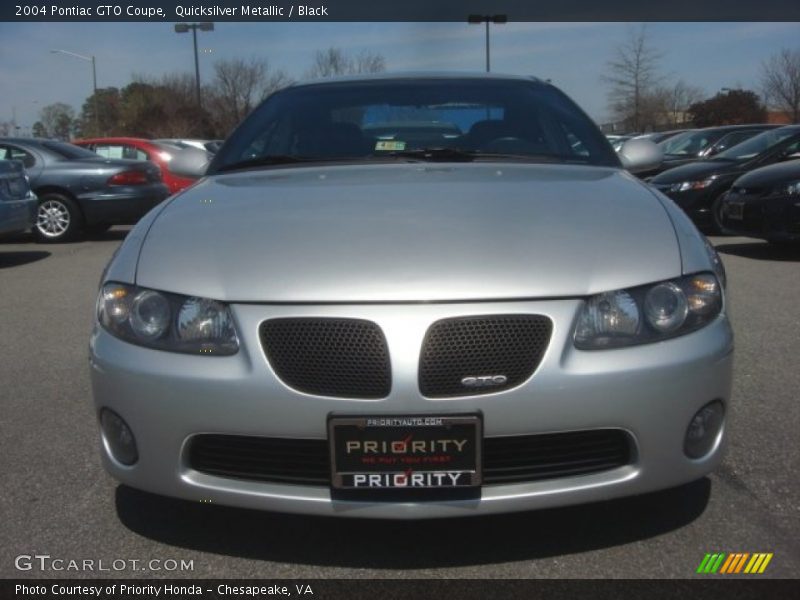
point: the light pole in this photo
(478, 19)
(94, 82)
(184, 28)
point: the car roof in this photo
(27, 140)
(122, 139)
(740, 127)
(410, 75)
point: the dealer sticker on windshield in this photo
(390, 145)
(405, 452)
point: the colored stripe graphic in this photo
(702, 567)
(741, 562)
(718, 562)
(727, 564)
(765, 563)
(734, 563)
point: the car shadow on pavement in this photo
(762, 251)
(17, 259)
(108, 236)
(389, 544)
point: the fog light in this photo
(118, 437)
(703, 430)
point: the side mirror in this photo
(190, 162)
(639, 155)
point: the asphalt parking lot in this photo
(56, 499)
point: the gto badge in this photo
(484, 381)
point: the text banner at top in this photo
(398, 10)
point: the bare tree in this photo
(238, 86)
(58, 120)
(671, 102)
(334, 61)
(369, 62)
(633, 76)
(780, 82)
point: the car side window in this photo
(14, 153)
(133, 153)
(109, 150)
(792, 151)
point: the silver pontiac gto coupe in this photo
(413, 296)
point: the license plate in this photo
(735, 210)
(405, 452)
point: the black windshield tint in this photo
(385, 118)
(758, 144)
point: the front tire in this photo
(58, 219)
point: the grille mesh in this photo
(506, 460)
(329, 357)
(509, 345)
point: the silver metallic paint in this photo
(353, 242)
(409, 232)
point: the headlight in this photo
(167, 321)
(648, 313)
(790, 189)
(684, 186)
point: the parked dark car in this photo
(81, 191)
(692, 145)
(765, 203)
(698, 187)
(17, 201)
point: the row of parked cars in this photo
(739, 179)
(742, 179)
(92, 184)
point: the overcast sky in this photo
(572, 55)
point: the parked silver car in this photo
(17, 202)
(396, 326)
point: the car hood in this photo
(771, 175)
(697, 170)
(409, 232)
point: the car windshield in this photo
(68, 151)
(756, 145)
(416, 119)
(688, 143)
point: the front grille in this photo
(500, 345)
(518, 459)
(275, 460)
(329, 357)
(506, 460)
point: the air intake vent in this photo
(507, 348)
(506, 460)
(329, 357)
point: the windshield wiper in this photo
(272, 159)
(458, 154)
(437, 153)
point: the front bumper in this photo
(695, 203)
(775, 218)
(650, 391)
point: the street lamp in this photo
(478, 19)
(94, 81)
(184, 28)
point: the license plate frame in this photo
(406, 452)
